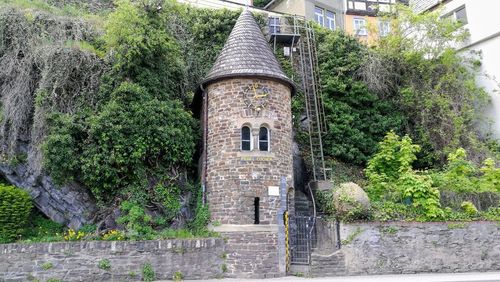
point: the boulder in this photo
(351, 201)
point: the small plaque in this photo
(273, 190)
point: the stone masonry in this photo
(79, 261)
(411, 247)
(247, 189)
(234, 177)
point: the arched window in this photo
(246, 139)
(263, 139)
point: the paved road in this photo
(441, 277)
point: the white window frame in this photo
(268, 141)
(384, 28)
(330, 21)
(319, 14)
(246, 140)
(360, 29)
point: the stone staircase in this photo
(327, 265)
(303, 206)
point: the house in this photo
(362, 17)
(483, 23)
(327, 13)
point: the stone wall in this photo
(252, 254)
(79, 261)
(410, 247)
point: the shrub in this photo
(136, 220)
(469, 208)
(393, 159)
(15, 208)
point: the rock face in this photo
(351, 201)
(71, 204)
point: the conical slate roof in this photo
(246, 53)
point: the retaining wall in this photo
(85, 261)
(409, 247)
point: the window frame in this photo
(250, 141)
(330, 21)
(267, 140)
(319, 13)
(383, 32)
(360, 31)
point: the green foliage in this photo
(490, 180)
(356, 117)
(424, 198)
(385, 169)
(392, 178)
(47, 265)
(201, 218)
(469, 208)
(148, 273)
(145, 51)
(463, 176)
(104, 264)
(15, 208)
(432, 84)
(400, 192)
(178, 276)
(136, 220)
(42, 229)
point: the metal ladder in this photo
(315, 111)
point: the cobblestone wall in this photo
(86, 261)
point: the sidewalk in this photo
(426, 277)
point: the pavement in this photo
(425, 277)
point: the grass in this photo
(42, 229)
(72, 10)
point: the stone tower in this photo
(247, 160)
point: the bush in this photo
(15, 208)
(137, 222)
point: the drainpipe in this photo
(205, 155)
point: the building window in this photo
(360, 26)
(246, 139)
(274, 25)
(263, 139)
(318, 16)
(459, 15)
(384, 28)
(330, 20)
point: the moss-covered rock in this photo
(351, 202)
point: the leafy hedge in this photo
(15, 208)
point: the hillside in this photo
(96, 122)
